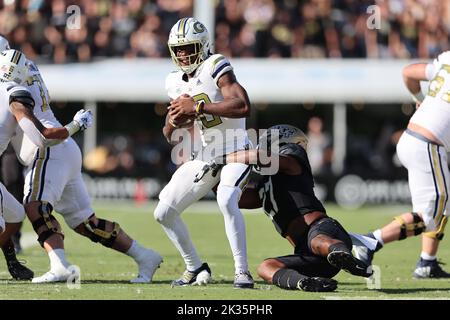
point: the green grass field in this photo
(105, 273)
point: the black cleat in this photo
(18, 271)
(200, 276)
(429, 269)
(317, 284)
(347, 262)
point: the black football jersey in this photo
(285, 197)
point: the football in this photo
(184, 121)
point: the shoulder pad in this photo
(22, 96)
(219, 66)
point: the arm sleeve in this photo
(35, 135)
(220, 66)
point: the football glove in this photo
(84, 119)
(212, 166)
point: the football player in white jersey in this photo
(53, 180)
(11, 177)
(16, 105)
(422, 149)
(205, 89)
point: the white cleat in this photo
(149, 262)
(51, 276)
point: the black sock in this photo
(340, 246)
(8, 251)
(287, 279)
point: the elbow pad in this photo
(22, 96)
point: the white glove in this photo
(84, 119)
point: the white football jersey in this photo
(434, 112)
(38, 89)
(24, 148)
(226, 134)
(8, 123)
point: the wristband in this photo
(72, 127)
(198, 107)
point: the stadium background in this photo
(314, 64)
(329, 74)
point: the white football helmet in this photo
(4, 44)
(189, 31)
(287, 134)
(13, 66)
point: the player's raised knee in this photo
(227, 196)
(164, 213)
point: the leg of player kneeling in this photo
(111, 235)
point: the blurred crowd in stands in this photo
(244, 28)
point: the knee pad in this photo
(418, 226)
(228, 197)
(97, 232)
(164, 213)
(330, 228)
(439, 233)
(47, 219)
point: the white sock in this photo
(377, 235)
(179, 235)
(135, 250)
(426, 256)
(58, 260)
(228, 198)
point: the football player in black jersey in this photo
(322, 246)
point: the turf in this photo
(105, 274)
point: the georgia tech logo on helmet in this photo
(199, 27)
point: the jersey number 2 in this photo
(208, 120)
